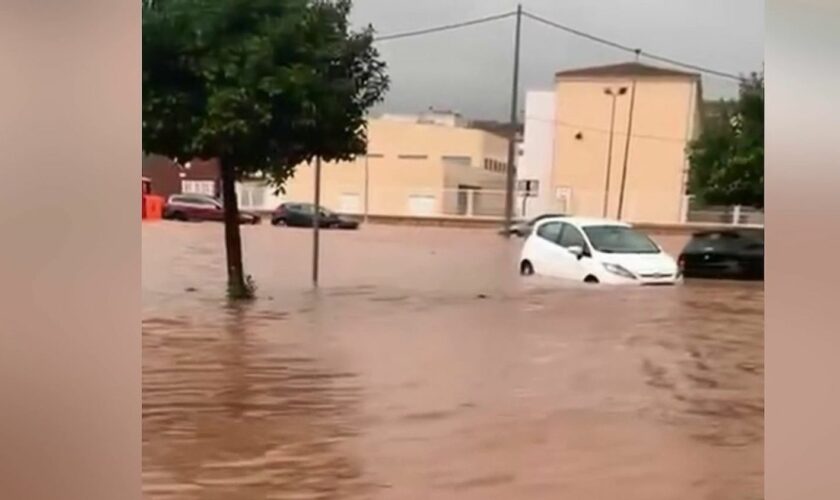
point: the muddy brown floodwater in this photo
(425, 368)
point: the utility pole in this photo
(627, 149)
(514, 101)
(627, 144)
(367, 186)
(316, 222)
(614, 95)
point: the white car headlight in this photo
(619, 270)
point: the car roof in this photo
(545, 216)
(185, 196)
(745, 232)
(584, 221)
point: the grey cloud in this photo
(470, 69)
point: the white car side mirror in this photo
(577, 251)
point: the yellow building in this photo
(417, 165)
(592, 110)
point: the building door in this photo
(466, 198)
(563, 200)
(349, 203)
(421, 204)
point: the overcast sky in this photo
(469, 70)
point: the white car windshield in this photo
(619, 239)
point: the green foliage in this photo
(260, 85)
(263, 85)
(727, 161)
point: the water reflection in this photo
(425, 368)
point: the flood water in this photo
(424, 367)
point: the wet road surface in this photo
(425, 367)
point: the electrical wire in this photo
(446, 27)
(627, 48)
(701, 69)
(575, 126)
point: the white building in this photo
(537, 156)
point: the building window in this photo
(419, 204)
(198, 187)
(413, 157)
(460, 160)
(251, 196)
(258, 196)
(349, 203)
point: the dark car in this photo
(724, 254)
(523, 228)
(197, 207)
(303, 215)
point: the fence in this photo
(735, 215)
(478, 203)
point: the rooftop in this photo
(624, 70)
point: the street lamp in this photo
(613, 94)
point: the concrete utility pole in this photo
(627, 149)
(367, 186)
(316, 222)
(514, 101)
(614, 95)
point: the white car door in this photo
(570, 265)
(545, 250)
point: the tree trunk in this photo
(237, 288)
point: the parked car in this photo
(197, 207)
(303, 215)
(724, 254)
(523, 228)
(596, 251)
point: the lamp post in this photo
(613, 94)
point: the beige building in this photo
(425, 165)
(592, 110)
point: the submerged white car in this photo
(596, 251)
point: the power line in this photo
(701, 69)
(580, 33)
(446, 27)
(627, 48)
(561, 123)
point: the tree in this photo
(259, 85)
(727, 160)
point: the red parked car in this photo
(197, 207)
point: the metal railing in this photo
(734, 215)
(484, 203)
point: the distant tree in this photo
(727, 160)
(259, 85)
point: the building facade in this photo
(167, 177)
(537, 158)
(594, 169)
(414, 167)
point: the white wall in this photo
(538, 150)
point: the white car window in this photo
(550, 231)
(620, 239)
(571, 237)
